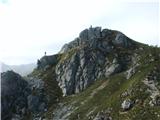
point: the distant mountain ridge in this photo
(23, 69)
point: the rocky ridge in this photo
(86, 59)
(102, 74)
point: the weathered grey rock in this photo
(63, 111)
(96, 37)
(133, 69)
(157, 101)
(66, 75)
(82, 69)
(84, 34)
(104, 46)
(89, 61)
(94, 33)
(106, 33)
(125, 94)
(131, 72)
(126, 105)
(87, 36)
(121, 40)
(112, 69)
(16, 117)
(14, 93)
(20, 96)
(47, 61)
(35, 83)
(37, 100)
(33, 103)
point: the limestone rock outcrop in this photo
(90, 57)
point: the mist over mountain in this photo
(23, 69)
(4, 67)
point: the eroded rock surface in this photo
(14, 92)
(21, 97)
(87, 58)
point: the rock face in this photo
(96, 37)
(87, 58)
(21, 97)
(133, 68)
(14, 94)
(96, 53)
(47, 61)
(37, 100)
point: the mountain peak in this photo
(94, 54)
(96, 37)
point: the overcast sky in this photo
(28, 28)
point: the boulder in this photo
(156, 100)
(113, 68)
(126, 104)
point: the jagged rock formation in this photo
(105, 40)
(14, 94)
(37, 100)
(98, 54)
(133, 93)
(47, 61)
(21, 98)
(87, 59)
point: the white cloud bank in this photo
(30, 27)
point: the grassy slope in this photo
(110, 95)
